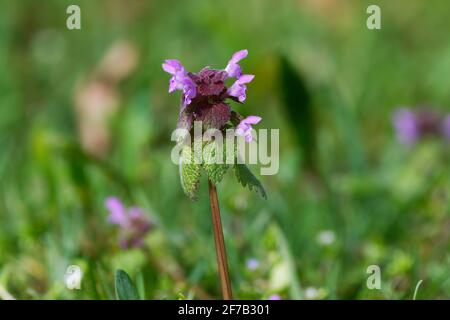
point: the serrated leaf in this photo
(125, 289)
(247, 179)
(189, 172)
(214, 169)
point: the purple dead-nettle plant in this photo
(412, 126)
(133, 223)
(205, 98)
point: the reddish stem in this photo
(221, 253)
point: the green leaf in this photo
(214, 170)
(189, 172)
(125, 289)
(300, 113)
(247, 179)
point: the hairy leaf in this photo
(189, 172)
(215, 168)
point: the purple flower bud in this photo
(210, 82)
(133, 223)
(275, 297)
(244, 128)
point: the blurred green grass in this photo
(386, 204)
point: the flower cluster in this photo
(205, 94)
(133, 223)
(412, 126)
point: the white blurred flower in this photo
(326, 237)
(280, 277)
(311, 293)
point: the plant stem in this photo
(221, 253)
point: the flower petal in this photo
(172, 66)
(405, 123)
(244, 128)
(252, 120)
(238, 91)
(240, 131)
(246, 78)
(233, 69)
(238, 56)
(117, 211)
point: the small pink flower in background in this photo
(133, 223)
(275, 297)
(411, 126)
(244, 128)
(446, 127)
(405, 124)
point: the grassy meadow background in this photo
(78, 124)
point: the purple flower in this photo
(180, 80)
(446, 127)
(117, 212)
(252, 264)
(205, 92)
(244, 128)
(133, 223)
(405, 124)
(275, 297)
(233, 69)
(411, 126)
(238, 89)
